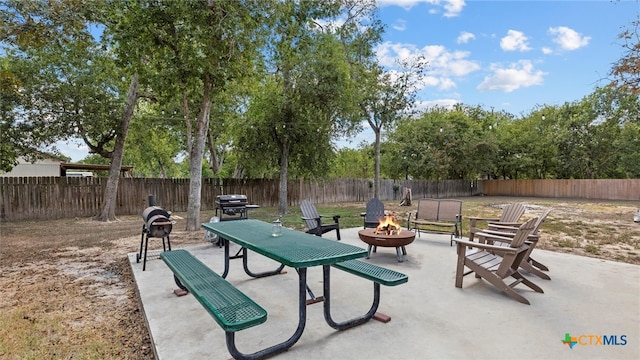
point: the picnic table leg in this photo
(244, 263)
(327, 304)
(278, 348)
(226, 258)
(257, 275)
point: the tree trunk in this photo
(187, 119)
(284, 171)
(195, 159)
(215, 162)
(109, 207)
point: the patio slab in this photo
(430, 318)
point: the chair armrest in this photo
(495, 233)
(507, 237)
(474, 219)
(409, 220)
(336, 218)
(318, 221)
(494, 248)
(501, 227)
(477, 218)
(502, 223)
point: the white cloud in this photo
(517, 75)
(546, 50)
(74, 148)
(441, 103)
(464, 37)
(400, 25)
(443, 65)
(452, 8)
(515, 40)
(567, 38)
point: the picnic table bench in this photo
(378, 275)
(373, 272)
(230, 307)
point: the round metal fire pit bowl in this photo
(399, 241)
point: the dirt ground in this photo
(68, 291)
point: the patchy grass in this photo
(68, 291)
(592, 249)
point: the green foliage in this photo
(442, 144)
(12, 145)
(625, 72)
(296, 111)
(353, 163)
(154, 143)
(69, 85)
(286, 78)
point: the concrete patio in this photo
(430, 318)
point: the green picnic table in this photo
(299, 251)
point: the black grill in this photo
(156, 224)
(234, 206)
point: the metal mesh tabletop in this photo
(292, 248)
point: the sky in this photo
(503, 55)
(513, 55)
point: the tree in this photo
(390, 96)
(353, 163)
(70, 81)
(193, 50)
(305, 100)
(457, 143)
(626, 70)
(12, 144)
(153, 149)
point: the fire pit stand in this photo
(399, 241)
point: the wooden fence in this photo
(60, 197)
(606, 189)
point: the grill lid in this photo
(231, 200)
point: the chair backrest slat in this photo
(374, 210)
(523, 233)
(310, 213)
(541, 218)
(512, 212)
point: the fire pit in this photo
(387, 234)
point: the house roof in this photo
(64, 166)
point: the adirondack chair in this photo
(529, 264)
(510, 215)
(374, 211)
(314, 220)
(496, 263)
